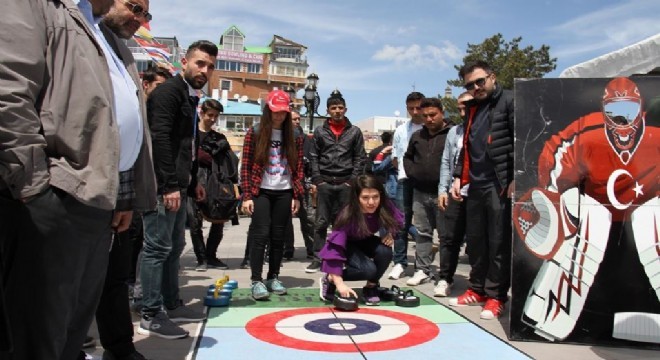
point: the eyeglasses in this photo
(480, 82)
(138, 10)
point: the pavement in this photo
(193, 286)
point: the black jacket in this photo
(337, 160)
(171, 115)
(500, 138)
(422, 159)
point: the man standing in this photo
(404, 190)
(113, 314)
(486, 163)
(453, 211)
(62, 152)
(306, 212)
(171, 109)
(337, 158)
(422, 161)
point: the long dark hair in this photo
(262, 143)
(351, 216)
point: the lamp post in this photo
(311, 98)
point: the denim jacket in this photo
(453, 146)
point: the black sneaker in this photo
(370, 294)
(313, 267)
(160, 325)
(244, 264)
(216, 263)
(184, 313)
(201, 266)
(327, 289)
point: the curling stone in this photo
(228, 287)
(212, 301)
(345, 303)
(221, 292)
(386, 294)
(407, 299)
(233, 283)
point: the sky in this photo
(377, 52)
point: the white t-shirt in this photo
(276, 174)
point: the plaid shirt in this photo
(251, 173)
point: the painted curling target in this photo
(321, 329)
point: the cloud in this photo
(418, 56)
(608, 28)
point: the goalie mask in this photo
(624, 121)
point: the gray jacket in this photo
(57, 126)
(453, 146)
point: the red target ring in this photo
(313, 329)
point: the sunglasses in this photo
(138, 10)
(480, 82)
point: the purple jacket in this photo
(333, 254)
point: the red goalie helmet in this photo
(624, 120)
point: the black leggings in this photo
(366, 259)
(272, 213)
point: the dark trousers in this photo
(306, 214)
(272, 213)
(366, 259)
(216, 233)
(136, 235)
(404, 201)
(489, 241)
(54, 256)
(329, 201)
(113, 315)
(451, 238)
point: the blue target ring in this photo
(342, 326)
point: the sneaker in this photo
(184, 313)
(89, 342)
(396, 272)
(313, 267)
(442, 289)
(217, 264)
(468, 298)
(201, 266)
(327, 289)
(370, 294)
(107, 355)
(275, 286)
(244, 264)
(160, 325)
(492, 310)
(419, 277)
(259, 291)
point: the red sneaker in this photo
(468, 298)
(492, 310)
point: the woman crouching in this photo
(352, 251)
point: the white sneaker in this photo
(419, 277)
(396, 272)
(442, 289)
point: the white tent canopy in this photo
(639, 58)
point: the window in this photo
(225, 85)
(228, 65)
(254, 68)
(233, 40)
(287, 53)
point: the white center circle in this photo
(339, 326)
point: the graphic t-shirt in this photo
(276, 173)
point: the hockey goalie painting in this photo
(586, 251)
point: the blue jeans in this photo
(404, 200)
(164, 239)
(427, 218)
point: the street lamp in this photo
(312, 99)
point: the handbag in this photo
(222, 198)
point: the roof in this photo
(258, 49)
(242, 108)
(639, 58)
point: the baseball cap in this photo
(278, 100)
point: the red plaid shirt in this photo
(251, 173)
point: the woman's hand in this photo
(342, 288)
(295, 206)
(248, 207)
(387, 240)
